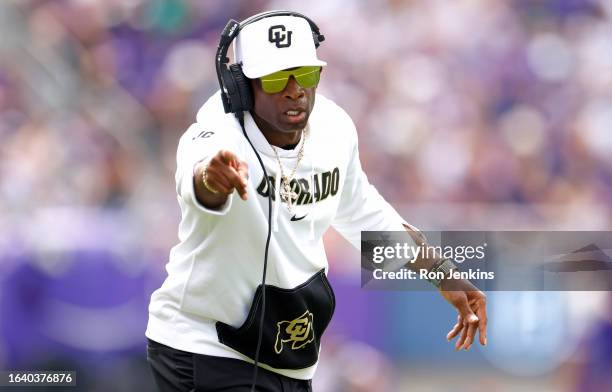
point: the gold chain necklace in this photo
(286, 193)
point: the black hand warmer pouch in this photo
(294, 321)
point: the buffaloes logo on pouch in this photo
(279, 35)
(299, 332)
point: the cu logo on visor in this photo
(279, 35)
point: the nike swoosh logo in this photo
(294, 219)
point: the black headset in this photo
(237, 97)
(236, 91)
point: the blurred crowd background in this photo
(472, 114)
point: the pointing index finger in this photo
(238, 182)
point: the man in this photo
(205, 321)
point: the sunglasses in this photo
(276, 82)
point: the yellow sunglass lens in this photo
(276, 82)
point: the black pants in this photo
(181, 371)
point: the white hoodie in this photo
(217, 265)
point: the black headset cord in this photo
(240, 117)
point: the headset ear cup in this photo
(233, 100)
(315, 38)
(243, 87)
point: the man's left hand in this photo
(471, 304)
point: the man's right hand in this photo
(224, 173)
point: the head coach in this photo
(246, 299)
